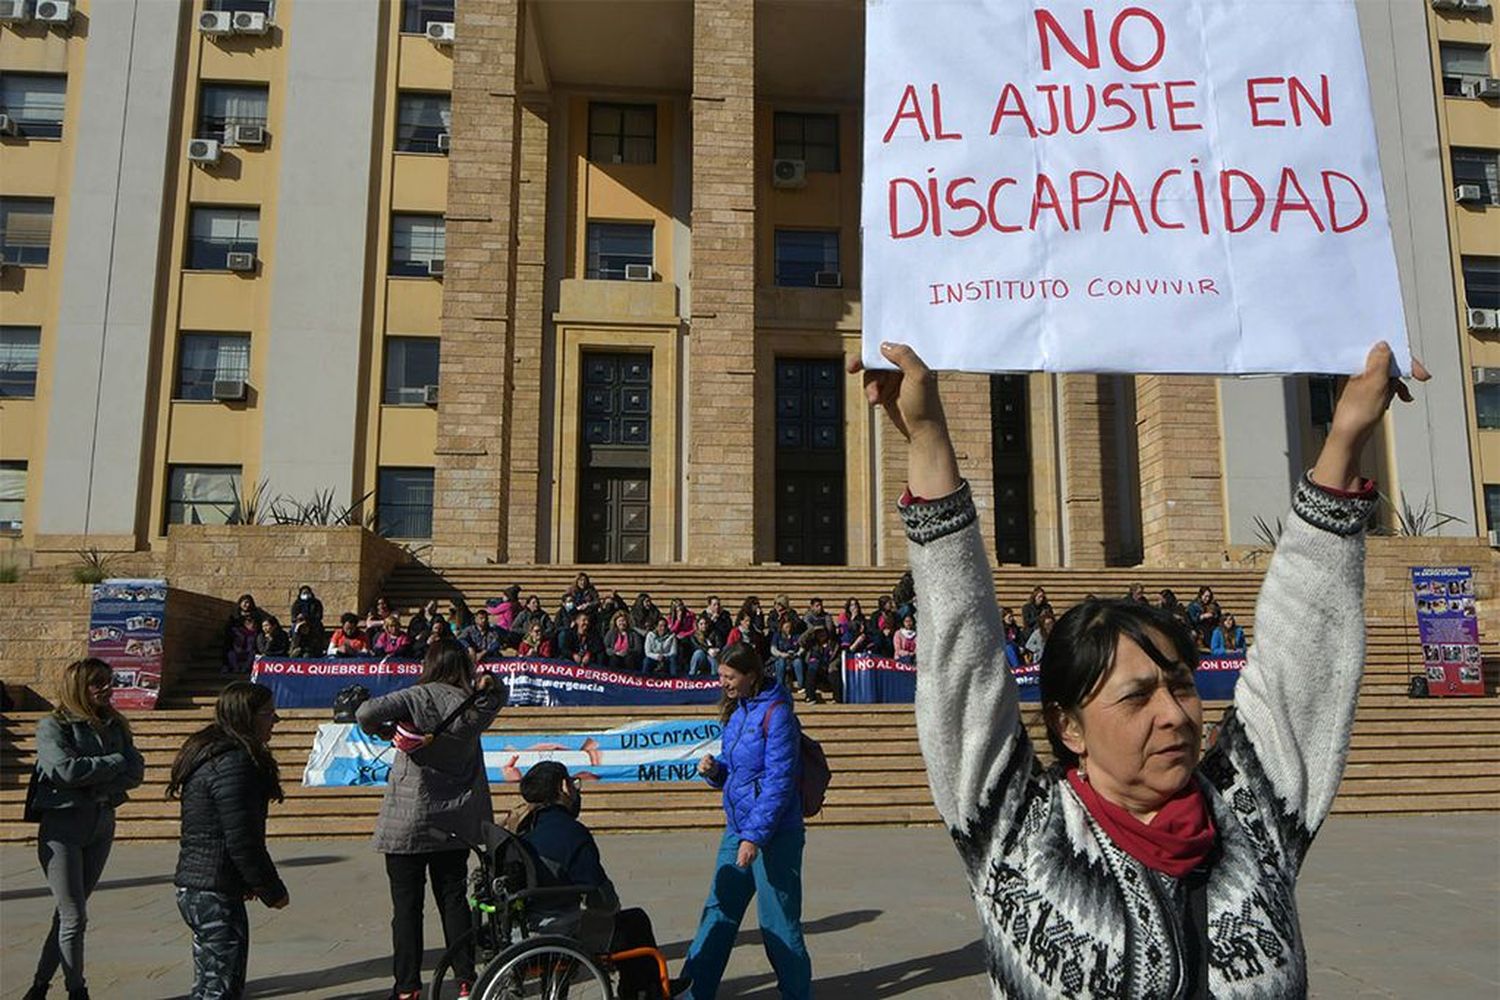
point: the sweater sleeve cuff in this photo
(928, 520)
(1338, 511)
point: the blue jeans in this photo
(799, 670)
(775, 879)
(700, 658)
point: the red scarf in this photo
(1175, 842)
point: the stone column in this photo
(524, 482)
(470, 501)
(1083, 444)
(1182, 493)
(721, 344)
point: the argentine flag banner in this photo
(342, 754)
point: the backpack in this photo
(347, 702)
(812, 784)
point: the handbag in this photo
(31, 814)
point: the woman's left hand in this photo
(1361, 406)
(747, 855)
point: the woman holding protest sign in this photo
(86, 761)
(438, 797)
(1147, 870)
(760, 854)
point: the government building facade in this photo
(574, 281)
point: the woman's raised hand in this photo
(910, 395)
(1362, 404)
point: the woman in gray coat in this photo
(437, 799)
(85, 763)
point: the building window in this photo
(1463, 66)
(25, 231)
(1482, 282)
(403, 503)
(420, 119)
(206, 358)
(411, 365)
(416, 15)
(203, 494)
(222, 106)
(802, 254)
(613, 245)
(266, 7)
(219, 232)
(12, 495)
(1480, 167)
(19, 347)
(813, 139)
(34, 102)
(622, 133)
(416, 241)
(1322, 395)
(1491, 507)
(1487, 406)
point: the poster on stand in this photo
(126, 622)
(1448, 624)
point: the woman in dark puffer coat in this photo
(226, 777)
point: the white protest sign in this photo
(1158, 186)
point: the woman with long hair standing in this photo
(85, 763)
(437, 799)
(226, 777)
(760, 854)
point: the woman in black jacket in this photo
(226, 777)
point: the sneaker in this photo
(677, 987)
(38, 991)
(405, 995)
(465, 988)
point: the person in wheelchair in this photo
(547, 822)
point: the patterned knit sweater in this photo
(1065, 912)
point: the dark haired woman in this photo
(226, 777)
(853, 626)
(1131, 868)
(760, 854)
(307, 606)
(1228, 640)
(85, 763)
(438, 791)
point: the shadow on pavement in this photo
(832, 924)
(142, 881)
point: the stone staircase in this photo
(1408, 756)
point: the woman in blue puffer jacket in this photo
(761, 852)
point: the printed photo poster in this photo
(1448, 624)
(126, 621)
(1187, 186)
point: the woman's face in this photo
(246, 604)
(1140, 733)
(854, 608)
(392, 626)
(534, 634)
(350, 628)
(1229, 623)
(101, 690)
(1205, 595)
(581, 581)
(306, 595)
(736, 685)
(268, 627)
(265, 721)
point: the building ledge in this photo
(581, 300)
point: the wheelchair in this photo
(514, 957)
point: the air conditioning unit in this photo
(429, 395)
(229, 390)
(440, 32)
(240, 261)
(216, 22)
(204, 150)
(7, 125)
(1495, 539)
(245, 135)
(59, 12)
(1474, 5)
(1484, 319)
(15, 11)
(249, 22)
(1487, 88)
(639, 272)
(789, 173)
(1468, 194)
(442, 142)
(1487, 376)
(828, 279)
(435, 267)
(1445, 4)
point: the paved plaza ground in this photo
(1390, 908)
